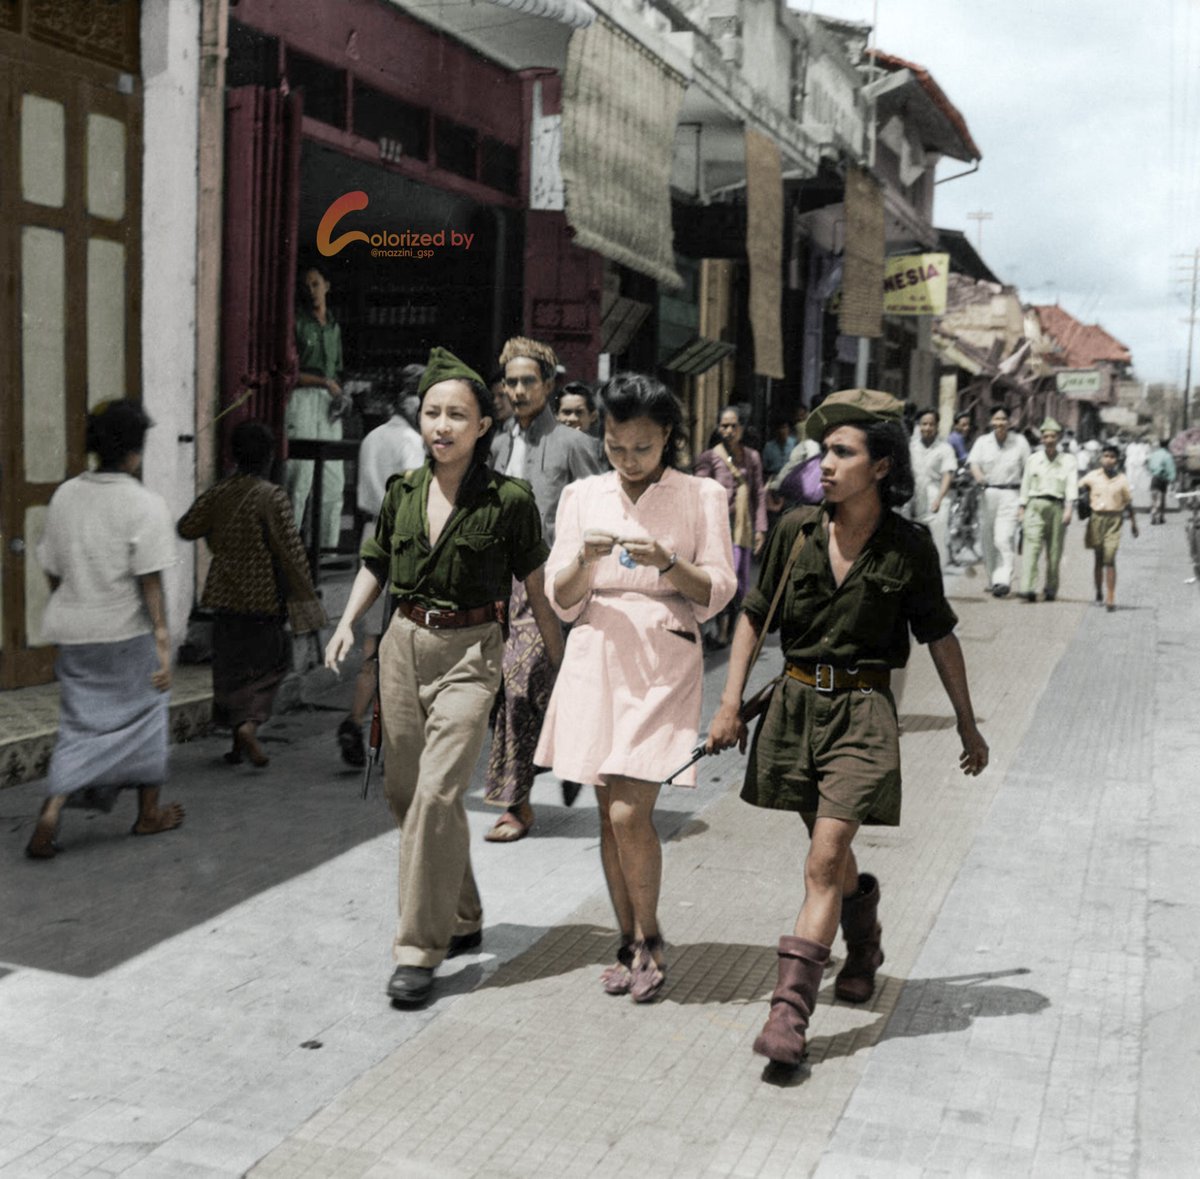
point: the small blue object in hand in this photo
(627, 560)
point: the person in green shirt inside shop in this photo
(450, 538)
(316, 406)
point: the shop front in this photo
(362, 142)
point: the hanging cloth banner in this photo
(915, 284)
(764, 248)
(620, 106)
(861, 312)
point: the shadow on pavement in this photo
(935, 1006)
(108, 897)
(918, 722)
(698, 972)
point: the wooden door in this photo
(70, 217)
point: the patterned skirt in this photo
(521, 707)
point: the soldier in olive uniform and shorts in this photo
(828, 746)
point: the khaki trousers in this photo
(436, 689)
(1043, 529)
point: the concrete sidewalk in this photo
(188, 1005)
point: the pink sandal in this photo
(649, 977)
(618, 979)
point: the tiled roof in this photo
(1080, 344)
(937, 95)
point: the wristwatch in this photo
(669, 565)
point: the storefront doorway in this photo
(70, 235)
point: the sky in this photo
(1087, 115)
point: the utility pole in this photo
(1192, 264)
(980, 215)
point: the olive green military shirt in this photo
(894, 585)
(493, 535)
(318, 345)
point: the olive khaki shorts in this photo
(834, 755)
(1104, 533)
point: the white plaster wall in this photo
(767, 50)
(170, 71)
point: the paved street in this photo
(210, 1002)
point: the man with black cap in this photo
(845, 583)
(1048, 489)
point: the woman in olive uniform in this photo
(828, 747)
(449, 540)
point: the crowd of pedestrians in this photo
(550, 577)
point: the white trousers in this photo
(998, 527)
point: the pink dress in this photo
(627, 698)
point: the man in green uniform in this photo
(1048, 489)
(316, 406)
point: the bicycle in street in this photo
(962, 529)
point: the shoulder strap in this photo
(789, 565)
(739, 476)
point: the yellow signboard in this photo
(915, 284)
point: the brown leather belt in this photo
(827, 678)
(434, 619)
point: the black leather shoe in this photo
(410, 986)
(462, 943)
(1049, 596)
(999, 591)
(1030, 597)
(570, 792)
(350, 741)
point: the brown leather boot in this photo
(801, 964)
(862, 931)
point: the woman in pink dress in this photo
(641, 557)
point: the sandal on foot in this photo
(618, 978)
(648, 976)
(510, 826)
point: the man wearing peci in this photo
(1048, 490)
(547, 455)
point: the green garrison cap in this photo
(853, 407)
(1050, 426)
(445, 366)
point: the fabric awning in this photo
(620, 107)
(698, 356)
(764, 248)
(861, 312)
(576, 13)
(620, 322)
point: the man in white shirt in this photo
(934, 463)
(997, 462)
(391, 448)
